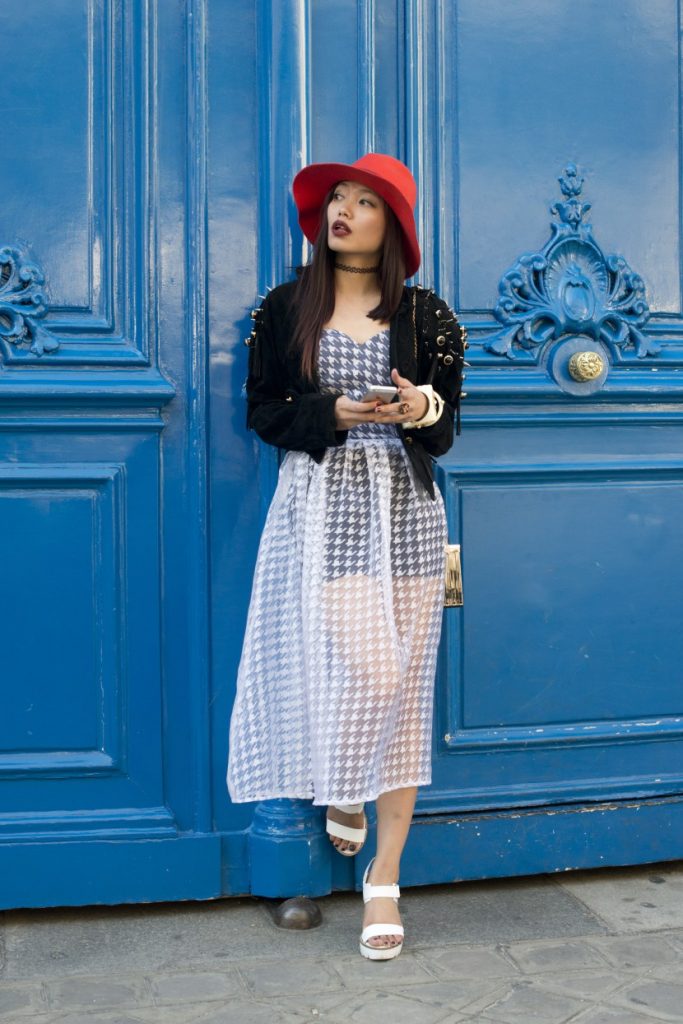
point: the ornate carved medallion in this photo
(570, 287)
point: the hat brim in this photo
(312, 183)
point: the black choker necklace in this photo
(356, 270)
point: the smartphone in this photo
(379, 393)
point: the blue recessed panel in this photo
(583, 623)
(80, 730)
(48, 119)
(51, 596)
(536, 85)
(333, 95)
(79, 205)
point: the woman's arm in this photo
(442, 343)
(278, 413)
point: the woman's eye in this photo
(368, 201)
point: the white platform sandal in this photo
(372, 930)
(352, 835)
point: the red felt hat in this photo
(385, 175)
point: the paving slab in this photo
(607, 1015)
(586, 985)
(672, 972)
(228, 1013)
(659, 998)
(371, 1006)
(459, 962)
(633, 899)
(634, 952)
(286, 977)
(195, 987)
(532, 958)
(171, 1015)
(332, 1007)
(498, 910)
(26, 998)
(357, 972)
(523, 1003)
(457, 994)
(245, 1013)
(95, 993)
(58, 941)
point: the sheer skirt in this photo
(335, 684)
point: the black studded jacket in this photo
(427, 345)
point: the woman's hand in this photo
(348, 413)
(412, 403)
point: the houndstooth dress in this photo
(335, 683)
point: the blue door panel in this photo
(43, 517)
(82, 727)
(562, 681)
(597, 84)
(48, 118)
(597, 624)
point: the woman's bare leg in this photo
(356, 600)
(414, 607)
(394, 815)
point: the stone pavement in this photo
(590, 947)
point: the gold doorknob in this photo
(586, 365)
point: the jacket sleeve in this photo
(441, 340)
(279, 413)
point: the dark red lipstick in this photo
(340, 228)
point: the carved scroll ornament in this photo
(22, 303)
(570, 287)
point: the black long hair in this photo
(314, 296)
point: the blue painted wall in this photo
(148, 202)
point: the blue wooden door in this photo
(145, 204)
(104, 763)
(545, 141)
(558, 732)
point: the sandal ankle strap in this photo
(372, 892)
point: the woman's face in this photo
(356, 221)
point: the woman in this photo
(335, 684)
